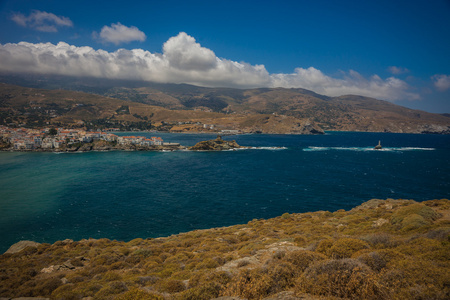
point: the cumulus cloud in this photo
(118, 34)
(351, 83)
(42, 21)
(183, 60)
(397, 70)
(441, 82)
(183, 52)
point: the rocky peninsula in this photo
(382, 249)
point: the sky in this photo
(397, 51)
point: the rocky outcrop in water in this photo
(218, 144)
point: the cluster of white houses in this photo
(29, 139)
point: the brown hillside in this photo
(382, 249)
(21, 106)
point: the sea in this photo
(120, 195)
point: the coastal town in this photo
(54, 139)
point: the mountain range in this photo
(67, 101)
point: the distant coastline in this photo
(73, 140)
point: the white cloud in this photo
(441, 82)
(397, 70)
(184, 53)
(183, 60)
(118, 34)
(351, 83)
(42, 21)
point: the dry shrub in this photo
(380, 240)
(208, 263)
(105, 259)
(302, 259)
(40, 287)
(413, 221)
(169, 269)
(202, 278)
(143, 253)
(282, 274)
(77, 291)
(374, 260)
(300, 240)
(78, 261)
(380, 259)
(146, 280)
(209, 290)
(170, 286)
(139, 294)
(414, 278)
(347, 278)
(342, 248)
(111, 276)
(135, 242)
(421, 246)
(119, 265)
(324, 246)
(250, 284)
(97, 270)
(285, 216)
(414, 216)
(112, 289)
(66, 292)
(442, 234)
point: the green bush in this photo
(285, 216)
(414, 221)
(404, 218)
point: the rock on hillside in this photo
(19, 246)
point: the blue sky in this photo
(392, 50)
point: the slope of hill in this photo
(382, 249)
(21, 106)
(267, 107)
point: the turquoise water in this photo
(123, 195)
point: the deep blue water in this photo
(123, 195)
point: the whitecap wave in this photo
(267, 148)
(386, 149)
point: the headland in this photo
(382, 249)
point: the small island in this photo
(217, 144)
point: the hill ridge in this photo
(268, 110)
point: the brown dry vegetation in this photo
(383, 249)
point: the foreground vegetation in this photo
(382, 249)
